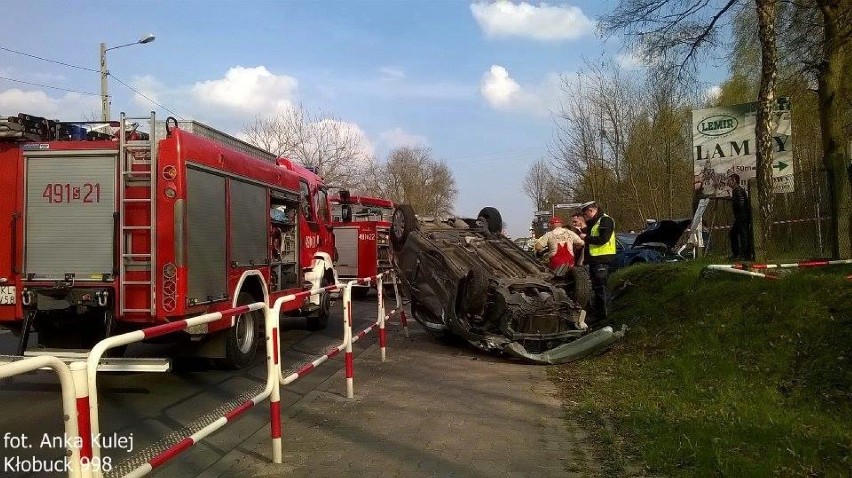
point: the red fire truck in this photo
(110, 229)
(361, 226)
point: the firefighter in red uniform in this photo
(560, 243)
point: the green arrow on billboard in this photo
(781, 166)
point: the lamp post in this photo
(104, 72)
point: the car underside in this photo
(465, 278)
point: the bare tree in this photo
(539, 184)
(679, 31)
(413, 176)
(324, 142)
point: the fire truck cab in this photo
(110, 229)
(361, 227)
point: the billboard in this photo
(723, 143)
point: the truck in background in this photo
(110, 229)
(361, 229)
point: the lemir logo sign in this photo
(717, 125)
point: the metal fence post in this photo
(381, 316)
(347, 338)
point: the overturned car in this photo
(465, 278)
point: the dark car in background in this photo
(464, 278)
(655, 244)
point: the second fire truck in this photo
(361, 227)
(109, 229)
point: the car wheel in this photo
(403, 222)
(241, 339)
(473, 292)
(492, 218)
(578, 285)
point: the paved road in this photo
(157, 410)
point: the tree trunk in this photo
(766, 15)
(835, 41)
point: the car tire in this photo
(578, 285)
(403, 222)
(493, 219)
(241, 340)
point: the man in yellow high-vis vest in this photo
(600, 252)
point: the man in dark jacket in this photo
(600, 252)
(740, 235)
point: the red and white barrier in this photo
(348, 337)
(79, 381)
(744, 268)
(69, 403)
(735, 270)
(158, 331)
(793, 265)
(399, 308)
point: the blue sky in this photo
(476, 82)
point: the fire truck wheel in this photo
(403, 222)
(241, 339)
(492, 218)
(318, 319)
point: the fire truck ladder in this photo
(138, 166)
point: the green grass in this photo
(722, 376)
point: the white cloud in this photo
(391, 74)
(502, 92)
(542, 22)
(248, 90)
(398, 137)
(227, 103)
(498, 88)
(68, 107)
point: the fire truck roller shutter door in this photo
(70, 201)
(248, 224)
(205, 231)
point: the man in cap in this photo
(740, 234)
(560, 243)
(600, 252)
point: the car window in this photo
(626, 238)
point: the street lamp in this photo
(104, 72)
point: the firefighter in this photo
(560, 243)
(600, 252)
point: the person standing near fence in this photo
(600, 252)
(740, 235)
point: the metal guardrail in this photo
(71, 405)
(80, 392)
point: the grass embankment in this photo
(722, 376)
